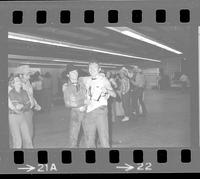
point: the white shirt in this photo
(96, 92)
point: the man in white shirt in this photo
(98, 91)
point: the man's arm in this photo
(66, 95)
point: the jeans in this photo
(29, 117)
(126, 103)
(20, 131)
(97, 120)
(76, 119)
(137, 99)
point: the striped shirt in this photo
(125, 85)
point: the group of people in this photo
(21, 103)
(90, 99)
(129, 84)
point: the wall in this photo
(171, 66)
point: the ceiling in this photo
(176, 37)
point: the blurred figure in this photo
(47, 94)
(37, 88)
(163, 80)
(112, 100)
(125, 88)
(138, 93)
(184, 80)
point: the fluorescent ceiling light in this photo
(134, 34)
(23, 57)
(29, 38)
(37, 63)
(54, 64)
(103, 66)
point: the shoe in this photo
(125, 119)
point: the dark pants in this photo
(76, 120)
(137, 100)
(126, 103)
(97, 120)
(111, 116)
(47, 99)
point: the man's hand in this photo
(104, 91)
(83, 108)
(19, 106)
(37, 107)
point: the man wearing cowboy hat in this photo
(74, 93)
(125, 88)
(24, 71)
(138, 93)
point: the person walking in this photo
(138, 93)
(47, 93)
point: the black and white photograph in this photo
(99, 87)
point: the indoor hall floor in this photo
(167, 124)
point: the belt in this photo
(13, 112)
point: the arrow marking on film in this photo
(127, 167)
(28, 168)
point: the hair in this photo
(70, 68)
(94, 61)
(47, 75)
(11, 79)
(34, 77)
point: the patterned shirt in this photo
(74, 94)
(19, 98)
(125, 85)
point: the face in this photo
(121, 74)
(94, 69)
(73, 76)
(26, 76)
(108, 74)
(17, 83)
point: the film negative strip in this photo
(99, 87)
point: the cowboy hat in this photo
(23, 69)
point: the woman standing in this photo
(19, 104)
(24, 71)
